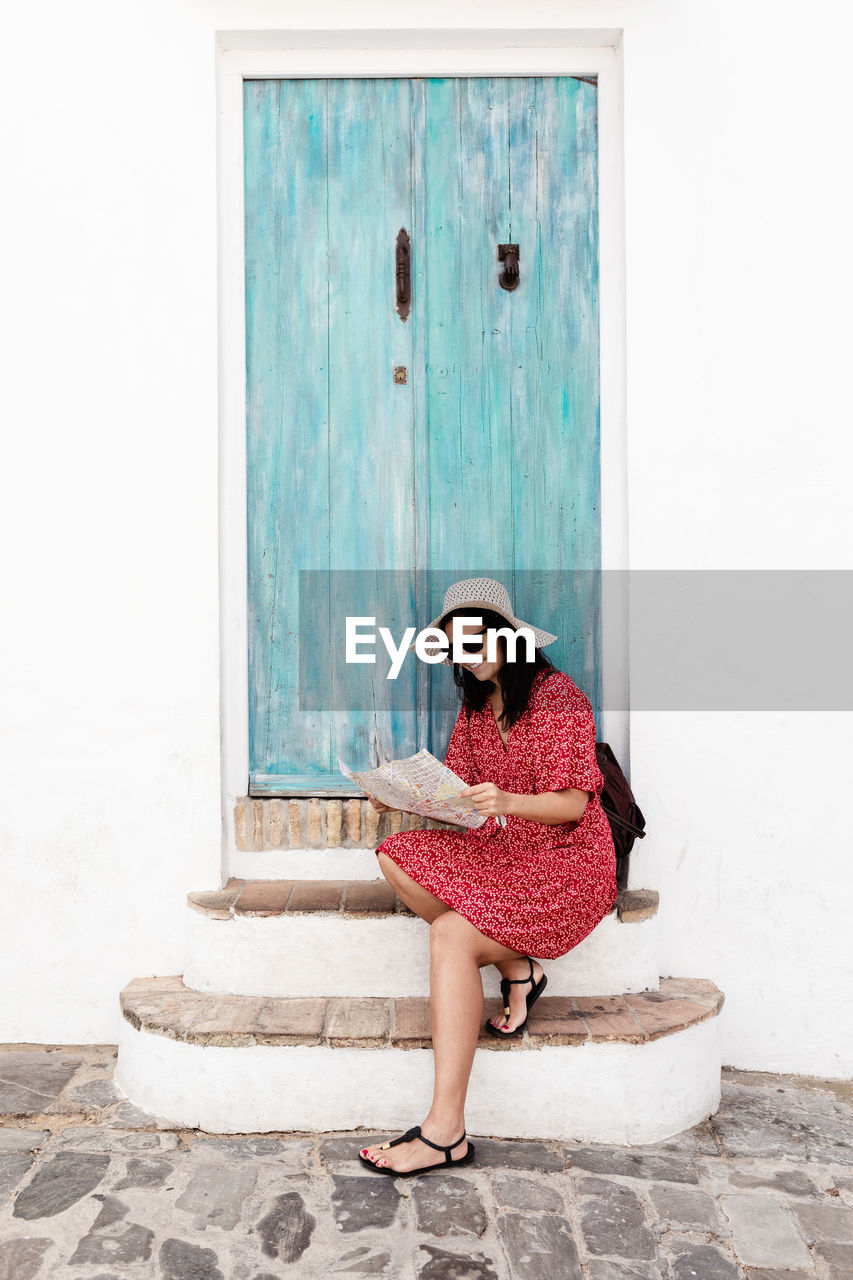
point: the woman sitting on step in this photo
(524, 742)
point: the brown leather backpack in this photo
(623, 813)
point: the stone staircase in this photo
(304, 1006)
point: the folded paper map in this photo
(420, 784)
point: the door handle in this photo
(508, 255)
(403, 273)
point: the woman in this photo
(524, 742)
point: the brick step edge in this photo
(349, 898)
(165, 1006)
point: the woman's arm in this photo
(549, 807)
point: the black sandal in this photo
(410, 1173)
(534, 995)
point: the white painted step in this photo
(386, 954)
(323, 863)
(225, 1065)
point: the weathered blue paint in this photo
(487, 461)
(329, 437)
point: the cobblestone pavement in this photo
(93, 1189)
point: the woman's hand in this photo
(379, 806)
(488, 799)
(549, 808)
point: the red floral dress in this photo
(535, 888)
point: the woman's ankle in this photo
(448, 1125)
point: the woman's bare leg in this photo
(428, 907)
(457, 953)
(420, 900)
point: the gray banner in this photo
(671, 640)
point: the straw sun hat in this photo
(484, 593)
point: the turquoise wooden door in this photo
(484, 460)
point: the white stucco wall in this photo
(738, 281)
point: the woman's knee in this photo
(451, 932)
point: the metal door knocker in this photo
(508, 255)
(403, 273)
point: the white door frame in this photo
(328, 54)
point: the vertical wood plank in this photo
(467, 146)
(371, 435)
(420, 337)
(555, 391)
(466, 193)
(287, 401)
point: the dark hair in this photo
(515, 678)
